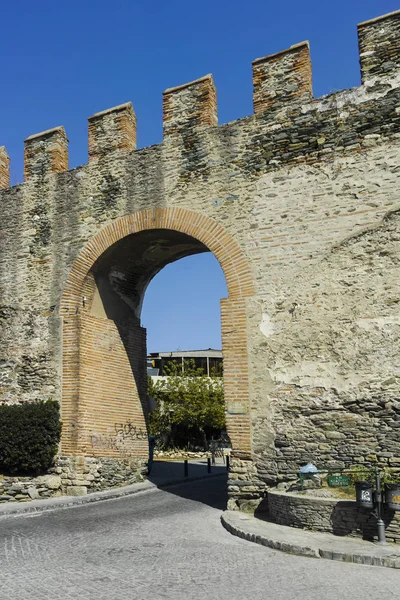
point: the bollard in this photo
(378, 496)
(227, 462)
(208, 465)
(185, 468)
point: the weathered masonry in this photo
(300, 204)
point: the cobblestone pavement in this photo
(165, 545)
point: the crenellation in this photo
(190, 105)
(45, 153)
(112, 129)
(282, 95)
(4, 168)
(379, 45)
(280, 78)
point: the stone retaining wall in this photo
(76, 476)
(180, 454)
(341, 517)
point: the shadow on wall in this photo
(347, 519)
(120, 278)
(262, 510)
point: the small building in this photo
(210, 361)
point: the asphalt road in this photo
(165, 545)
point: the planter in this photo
(330, 515)
(364, 494)
(392, 496)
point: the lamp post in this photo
(378, 511)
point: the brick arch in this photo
(233, 319)
(201, 227)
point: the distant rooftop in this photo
(210, 352)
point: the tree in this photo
(189, 406)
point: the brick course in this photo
(4, 168)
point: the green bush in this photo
(362, 473)
(390, 476)
(189, 407)
(29, 437)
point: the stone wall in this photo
(72, 477)
(299, 203)
(341, 517)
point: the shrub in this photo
(390, 476)
(29, 437)
(362, 473)
(190, 406)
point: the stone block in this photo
(76, 490)
(33, 493)
(52, 482)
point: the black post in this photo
(185, 468)
(227, 462)
(380, 523)
(208, 465)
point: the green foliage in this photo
(29, 437)
(362, 473)
(189, 406)
(390, 476)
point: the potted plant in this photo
(391, 480)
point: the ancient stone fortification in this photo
(299, 202)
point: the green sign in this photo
(338, 480)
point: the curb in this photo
(391, 561)
(35, 506)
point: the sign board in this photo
(237, 408)
(338, 480)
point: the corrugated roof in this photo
(210, 352)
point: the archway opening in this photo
(113, 366)
(181, 313)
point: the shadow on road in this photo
(208, 490)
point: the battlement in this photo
(280, 81)
(4, 168)
(112, 129)
(282, 77)
(192, 104)
(379, 45)
(46, 152)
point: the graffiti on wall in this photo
(122, 438)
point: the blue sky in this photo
(64, 61)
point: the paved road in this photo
(165, 545)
